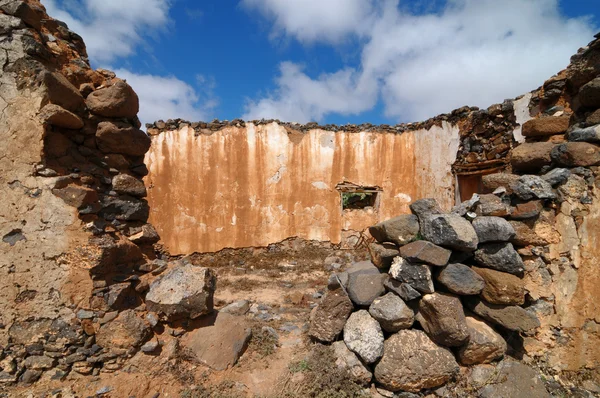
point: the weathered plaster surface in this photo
(255, 185)
(521, 107)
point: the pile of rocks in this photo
(437, 287)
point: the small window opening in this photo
(356, 197)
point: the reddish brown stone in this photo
(543, 126)
(576, 154)
(500, 287)
(526, 210)
(531, 157)
(76, 196)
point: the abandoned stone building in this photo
(454, 257)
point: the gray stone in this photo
(449, 230)
(382, 254)
(329, 317)
(513, 379)
(392, 313)
(466, 206)
(30, 376)
(501, 257)
(484, 345)
(426, 252)
(460, 279)
(150, 346)
(129, 185)
(399, 230)
(529, 187)
(403, 290)
(347, 360)
(363, 267)
(125, 208)
(589, 94)
(425, 207)
(492, 205)
(418, 276)
(442, 317)
(240, 307)
(39, 362)
(363, 288)
(589, 134)
(493, 229)
(85, 314)
(412, 362)
(185, 291)
(363, 335)
(510, 317)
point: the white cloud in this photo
(474, 52)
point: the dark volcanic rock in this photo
(403, 290)
(460, 279)
(449, 230)
(529, 187)
(329, 318)
(382, 254)
(484, 345)
(363, 288)
(392, 313)
(425, 207)
(423, 251)
(510, 317)
(493, 229)
(399, 230)
(501, 257)
(418, 276)
(442, 317)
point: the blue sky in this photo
(331, 61)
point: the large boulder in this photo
(501, 257)
(492, 205)
(348, 361)
(426, 252)
(364, 287)
(589, 134)
(185, 291)
(484, 345)
(531, 157)
(58, 116)
(501, 288)
(329, 317)
(557, 176)
(126, 331)
(449, 230)
(589, 94)
(443, 319)
(491, 182)
(493, 229)
(529, 187)
(418, 276)
(363, 335)
(123, 138)
(412, 362)
(425, 207)
(514, 379)
(576, 154)
(392, 313)
(399, 230)
(218, 340)
(118, 100)
(61, 92)
(460, 279)
(124, 207)
(129, 185)
(382, 254)
(550, 125)
(510, 317)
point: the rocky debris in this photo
(347, 360)
(146, 235)
(589, 94)
(576, 154)
(412, 362)
(403, 290)
(425, 207)
(510, 317)
(382, 254)
(126, 331)
(493, 229)
(218, 340)
(60, 117)
(460, 279)
(531, 157)
(239, 308)
(449, 230)
(122, 138)
(399, 230)
(557, 176)
(441, 316)
(426, 252)
(392, 313)
(544, 126)
(329, 317)
(589, 134)
(467, 206)
(484, 344)
(529, 187)
(513, 379)
(129, 185)
(501, 288)
(501, 257)
(363, 335)
(364, 287)
(492, 205)
(185, 291)
(118, 100)
(418, 276)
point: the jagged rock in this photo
(61, 92)
(60, 117)
(382, 254)
(114, 253)
(9, 23)
(425, 207)
(531, 157)
(466, 206)
(501, 257)
(493, 229)
(426, 252)
(330, 316)
(550, 125)
(403, 290)
(575, 154)
(442, 317)
(347, 360)
(150, 346)
(501, 288)
(556, 176)
(491, 182)
(450, 230)
(392, 313)
(363, 335)
(510, 317)
(573, 190)
(25, 12)
(514, 379)
(460, 279)
(185, 291)
(412, 362)
(218, 340)
(76, 195)
(399, 230)
(484, 344)
(118, 100)
(492, 205)
(524, 211)
(128, 185)
(147, 235)
(589, 94)
(418, 276)
(363, 287)
(120, 137)
(126, 331)
(125, 208)
(529, 187)
(240, 307)
(39, 362)
(589, 134)
(30, 376)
